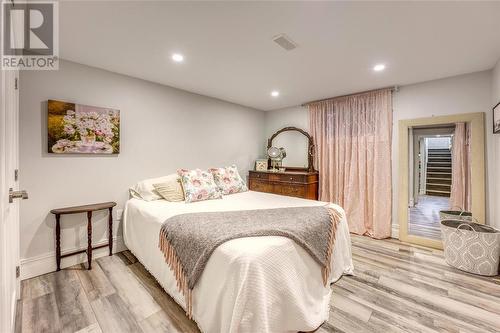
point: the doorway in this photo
(424, 170)
(430, 193)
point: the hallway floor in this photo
(424, 217)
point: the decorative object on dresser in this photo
(291, 181)
(276, 156)
(261, 165)
(83, 209)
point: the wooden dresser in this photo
(301, 184)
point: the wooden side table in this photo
(83, 209)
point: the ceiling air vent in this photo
(285, 42)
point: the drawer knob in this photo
(291, 178)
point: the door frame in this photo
(478, 172)
(9, 212)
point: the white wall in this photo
(495, 86)
(495, 150)
(162, 129)
(438, 143)
(460, 94)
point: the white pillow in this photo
(145, 190)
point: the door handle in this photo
(17, 195)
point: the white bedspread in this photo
(254, 284)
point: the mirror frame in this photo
(310, 148)
(478, 172)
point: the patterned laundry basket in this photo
(471, 247)
(455, 215)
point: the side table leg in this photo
(110, 235)
(89, 239)
(58, 241)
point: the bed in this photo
(253, 284)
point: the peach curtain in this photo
(461, 168)
(353, 137)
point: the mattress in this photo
(253, 284)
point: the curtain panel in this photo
(353, 138)
(460, 196)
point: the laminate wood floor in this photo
(396, 288)
(423, 219)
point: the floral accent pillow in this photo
(198, 185)
(229, 180)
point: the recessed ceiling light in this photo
(275, 93)
(379, 67)
(177, 57)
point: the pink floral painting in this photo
(82, 129)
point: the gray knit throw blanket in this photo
(188, 240)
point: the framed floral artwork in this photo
(496, 119)
(82, 129)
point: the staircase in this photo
(438, 172)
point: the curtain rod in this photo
(393, 88)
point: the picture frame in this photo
(496, 119)
(82, 129)
(261, 165)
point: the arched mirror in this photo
(294, 147)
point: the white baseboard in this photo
(46, 263)
(395, 231)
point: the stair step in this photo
(438, 184)
(434, 160)
(438, 162)
(438, 168)
(438, 191)
(439, 173)
(438, 179)
(448, 179)
(438, 187)
(438, 194)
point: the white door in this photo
(9, 211)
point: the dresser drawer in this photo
(291, 190)
(287, 178)
(258, 175)
(260, 186)
(293, 184)
(293, 178)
